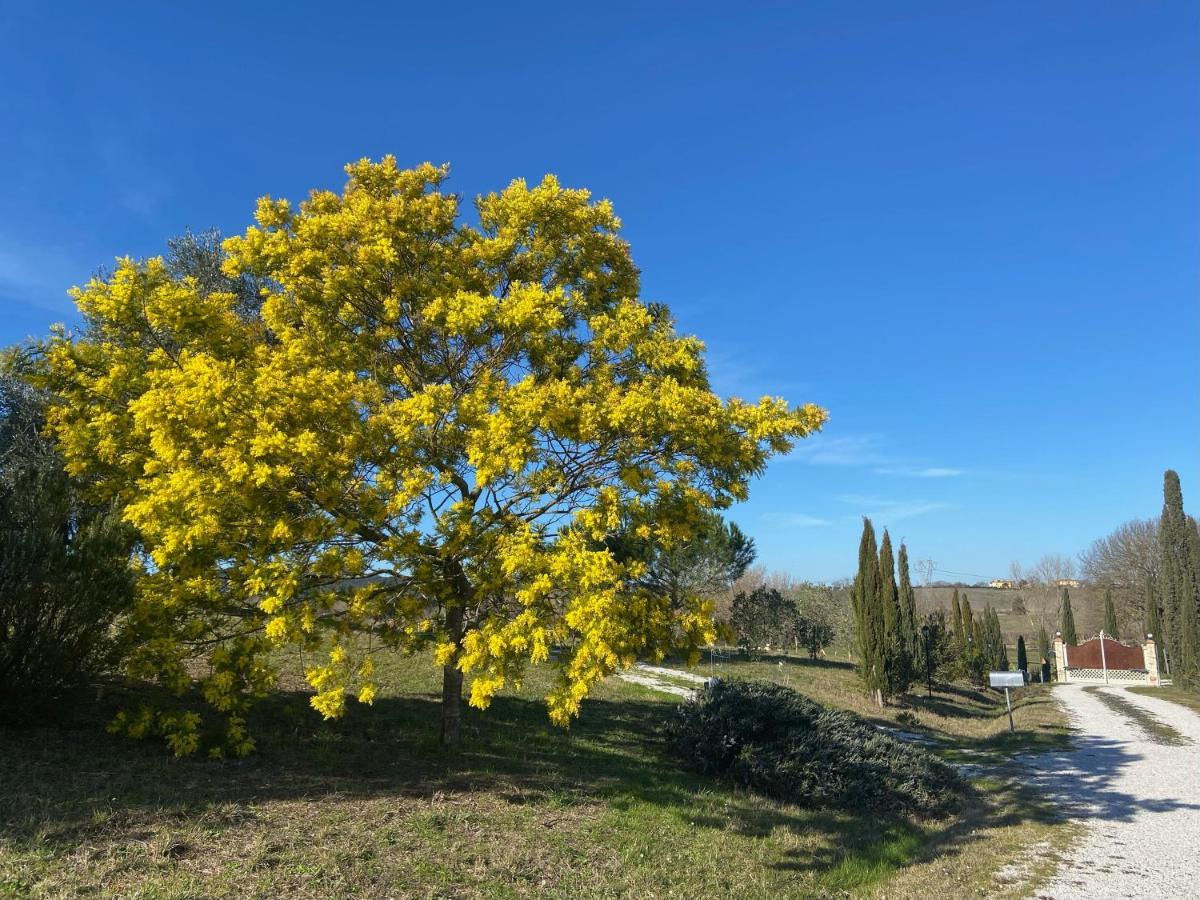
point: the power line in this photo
(967, 574)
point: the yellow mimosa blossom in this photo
(429, 433)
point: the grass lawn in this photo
(371, 806)
(1179, 695)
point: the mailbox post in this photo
(1007, 680)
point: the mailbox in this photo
(1006, 679)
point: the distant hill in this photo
(1086, 602)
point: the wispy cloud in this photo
(887, 510)
(917, 472)
(851, 450)
(796, 520)
(862, 451)
(140, 187)
(744, 375)
(34, 276)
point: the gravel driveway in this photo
(1136, 789)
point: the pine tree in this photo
(1068, 621)
(1022, 658)
(868, 617)
(1110, 617)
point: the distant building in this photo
(1002, 583)
(1068, 583)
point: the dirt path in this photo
(1133, 780)
(669, 681)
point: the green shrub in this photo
(780, 743)
(64, 569)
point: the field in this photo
(371, 806)
(1086, 604)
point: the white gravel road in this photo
(1137, 797)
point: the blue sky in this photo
(970, 230)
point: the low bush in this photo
(780, 743)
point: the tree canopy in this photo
(427, 433)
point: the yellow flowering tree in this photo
(421, 443)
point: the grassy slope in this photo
(955, 715)
(370, 806)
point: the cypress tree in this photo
(998, 637)
(1110, 617)
(910, 633)
(976, 647)
(1187, 667)
(1068, 621)
(1180, 579)
(1022, 658)
(868, 616)
(1001, 646)
(994, 651)
(956, 620)
(889, 601)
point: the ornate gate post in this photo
(1060, 657)
(1150, 654)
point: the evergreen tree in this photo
(896, 648)
(868, 617)
(1002, 656)
(1180, 578)
(1022, 658)
(956, 624)
(910, 633)
(1110, 617)
(976, 661)
(1001, 648)
(994, 652)
(1068, 621)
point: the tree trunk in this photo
(452, 682)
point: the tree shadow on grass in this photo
(57, 781)
(66, 784)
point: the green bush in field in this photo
(780, 743)
(64, 569)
